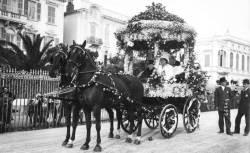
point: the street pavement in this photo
(203, 140)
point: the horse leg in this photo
(131, 120)
(119, 119)
(88, 126)
(111, 117)
(140, 117)
(97, 113)
(75, 109)
(68, 123)
(61, 111)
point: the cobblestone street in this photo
(203, 140)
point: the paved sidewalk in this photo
(204, 140)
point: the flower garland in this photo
(196, 78)
(154, 25)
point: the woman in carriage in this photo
(168, 67)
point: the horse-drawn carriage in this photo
(161, 106)
(158, 105)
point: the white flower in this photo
(130, 43)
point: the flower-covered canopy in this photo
(155, 25)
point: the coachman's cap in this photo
(223, 79)
(150, 61)
(246, 81)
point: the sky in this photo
(208, 17)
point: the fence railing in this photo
(19, 110)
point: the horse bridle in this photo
(77, 65)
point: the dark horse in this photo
(97, 90)
(57, 66)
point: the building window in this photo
(4, 5)
(38, 12)
(6, 36)
(26, 6)
(32, 10)
(14, 4)
(231, 60)
(207, 60)
(248, 64)
(93, 29)
(221, 58)
(107, 35)
(243, 62)
(237, 61)
(51, 14)
(18, 41)
(8, 5)
(3, 32)
(20, 6)
(47, 39)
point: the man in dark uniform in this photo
(223, 96)
(148, 72)
(244, 108)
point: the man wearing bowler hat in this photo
(244, 108)
(222, 98)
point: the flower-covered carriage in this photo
(149, 35)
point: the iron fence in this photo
(19, 110)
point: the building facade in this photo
(224, 56)
(31, 17)
(84, 20)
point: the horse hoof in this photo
(69, 146)
(111, 135)
(117, 136)
(85, 147)
(137, 142)
(97, 149)
(64, 143)
(128, 140)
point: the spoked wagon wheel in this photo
(168, 120)
(151, 119)
(125, 124)
(191, 114)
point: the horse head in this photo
(57, 62)
(79, 58)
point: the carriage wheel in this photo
(151, 119)
(168, 120)
(191, 114)
(125, 124)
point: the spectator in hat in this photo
(223, 95)
(144, 75)
(244, 108)
(6, 99)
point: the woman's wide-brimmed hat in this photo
(165, 56)
(223, 79)
(246, 81)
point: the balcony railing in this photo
(12, 16)
(94, 40)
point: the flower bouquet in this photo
(155, 81)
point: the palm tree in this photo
(23, 60)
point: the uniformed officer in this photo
(244, 108)
(222, 98)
